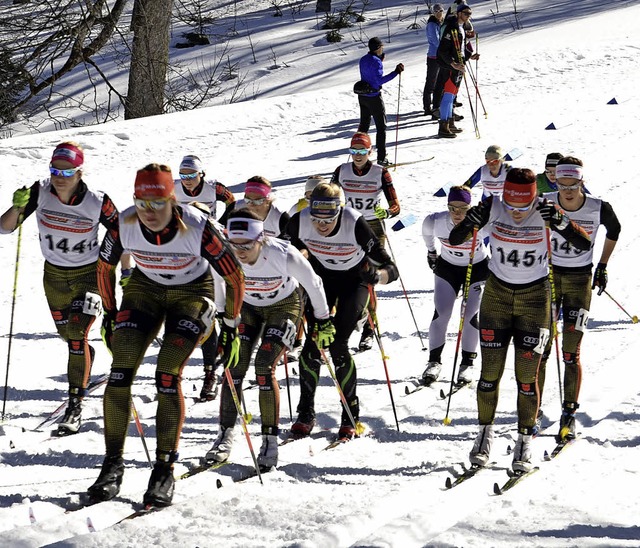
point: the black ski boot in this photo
(161, 483)
(70, 423)
(108, 483)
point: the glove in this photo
(229, 345)
(326, 333)
(479, 215)
(399, 68)
(381, 212)
(600, 278)
(108, 327)
(125, 276)
(369, 273)
(552, 214)
(21, 197)
(432, 257)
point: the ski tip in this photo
(218, 483)
(442, 394)
(448, 483)
(407, 391)
(546, 455)
(496, 489)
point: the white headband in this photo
(569, 170)
(241, 227)
(192, 162)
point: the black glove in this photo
(229, 345)
(432, 257)
(399, 68)
(552, 214)
(108, 327)
(600, 278)
(369, 273)
(479, 215)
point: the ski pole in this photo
(456, 42)
(473, 112)
(463, 310)
(554, 311)
(343, 399)
(476, 74)
(395, 159)
(13, 308)
(247, 416)
(405, 295)
(634, 319)
(286, 375)
(478, 95)
(136, 419)
(236, 401)
(373, 320)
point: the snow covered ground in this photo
(386, 489)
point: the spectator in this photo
(371, 104)
(433, 39)
(452, 56)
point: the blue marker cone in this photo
(612, 102)
(404, 222)
(551, 126)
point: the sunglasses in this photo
(570, 187)
(359, 151)
(256, 202)
(458, 209)
(153, 205)
(63, 172)
(188, 176)
(492, 162)
(520, 209)
(324, 221)
(243, 247)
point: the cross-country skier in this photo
(516, 302)
(450, 269)
(572, 277)
(271, 313)
(68, 214)
(173, 247)
(346, 254)
(364, 183)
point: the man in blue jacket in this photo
(371, 104)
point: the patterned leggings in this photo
(145, 306)
(521, 314)
(73, 313)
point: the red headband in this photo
(68, 153)
(519, 192)
(153, 184)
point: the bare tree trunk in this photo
(149, 58)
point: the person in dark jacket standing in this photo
(452, 56)
(371, 104)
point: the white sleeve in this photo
(220, 291)
(302, 271)
(428, 228)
